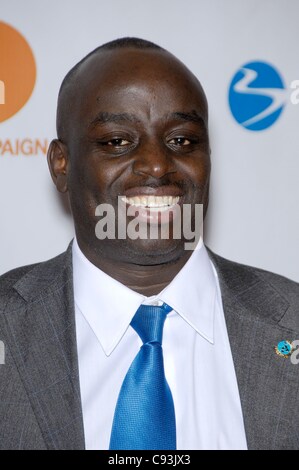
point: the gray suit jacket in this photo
(40, 405)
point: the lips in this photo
(165, 190)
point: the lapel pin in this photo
(284, 348)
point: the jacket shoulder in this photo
(8, 279)
(242, 274)
(34, 274)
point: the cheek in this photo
(198, 170)
(84, 193)
(88, 179)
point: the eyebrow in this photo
(119, 118)
(193, 116)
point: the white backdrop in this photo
(253, 214)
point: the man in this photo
(132, 124)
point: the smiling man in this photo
(136, 342)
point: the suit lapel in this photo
(268, 384)
(41, 328)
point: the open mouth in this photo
(154, 203)
(153, 209)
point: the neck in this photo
(147, 280)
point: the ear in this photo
(58, 164)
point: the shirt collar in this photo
(109, 306)
(192, 293)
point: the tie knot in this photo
(148, 322)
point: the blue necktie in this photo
(144, 417)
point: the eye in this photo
(115, 144)
(180, 141)
(118, 142)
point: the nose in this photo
(153, 160)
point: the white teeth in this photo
(151, 201)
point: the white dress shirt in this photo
(197, 355)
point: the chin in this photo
(152, 252)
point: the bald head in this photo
(116, 54)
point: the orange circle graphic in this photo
(17, 71)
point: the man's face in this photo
(137, 129)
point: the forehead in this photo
(135, 80)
